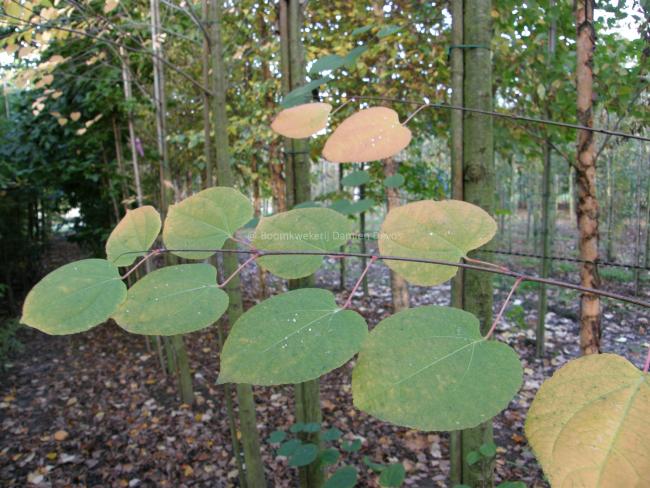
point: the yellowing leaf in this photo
(60, 435)
(444, 231)
(62, 121)
(302, 121)
(133, 235)
(588, 424)
(369, 135)
(110, 5)
(81, 132)
(75, 116)
(57, 94)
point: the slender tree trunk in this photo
(298, 188)
(457, 76)
(587, 208)
(254, 475)
(610, 210)
(547, 221)
(479, 189)
(207, 124)
(362, 230)
(399, 286)
(119, 156)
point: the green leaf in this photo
(327, 63)
(137, 231)
(352, 446)
(290, 338)
(361, 206)
(74, 298)
(489, 449)
(332, 434)
(361, 30)
(425, 367)
(473, 457)
(205, 221)
(311, 427)
(303, 455)
(388, 31)
(297, 427)
(303, 229)
(329, 456)
(345, 477)
(277, 436)
(289, 447)
(512, 484)
(303, 94)
(341, 206)
(444, 230)
(393, 475)
(356, 178)
(353, 55)
(173, 300)
(394, 181)
(308, 204)
(376, 467)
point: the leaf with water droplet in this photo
(300, 229)
(137, 231)
(444, 231)
(74, 298)
(588, 424)
(430, 369)
(205, 221)
(173, 300)
(290, 338)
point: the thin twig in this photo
(522, 118)
(140, 263)
(238, 270)
(356, 285)
(504, 272)
(503, 307)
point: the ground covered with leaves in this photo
(94, 409)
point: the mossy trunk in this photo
(298, 188)
(254, 472)
(479, 189)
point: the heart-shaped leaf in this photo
(300, 229)
(205, 221)
(173, 300)
(74, 298)
(356, 178)
(444, 231)
(588, 424)
(428, 368)
(137, 231)
(303, 93)
(302, 120)
(345, 477)
(290, 338)
(330, 62)
(394, 181)
(368, 135)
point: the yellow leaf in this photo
(588, 424)
(62, 121)
(302, 121)
(57, 94)
(75, 116)
(52, 456)
(368, 135)
(81, 131)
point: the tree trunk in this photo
(207, 125)
(342, 262)
(479, 189)
(587, 208)
(457, 75)
(298, 189)
(547, 223)
(254, 475)
(166, 196)
(399, 286)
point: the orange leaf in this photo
(302, 121)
